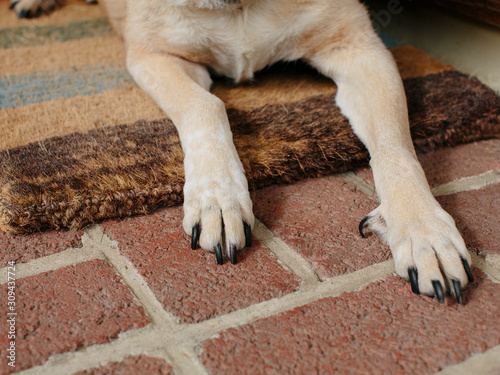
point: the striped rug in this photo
(80, 142)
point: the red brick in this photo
(188, 282)
(450, 164)
(22, 249)
(69, 309)
(382, 329)
(139, 364)
(319, 218)
(477, 214)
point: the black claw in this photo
(248, 234)
(438, 289)
(413, 274)
(195, 236)
(362, 225)
(232, 254)
(468, 270)
(218, 254)
(458, 291)
(13, 4)
(23, 14)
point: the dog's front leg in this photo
(427, 248)
(217, 205)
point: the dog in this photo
(173, 47)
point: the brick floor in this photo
(67, 310)
(140, 364)
(22, 249)
(319, 219)
(449, 164)
(188, 282)
(383, 329)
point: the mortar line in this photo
(68, 257)
(286, 255)
(490, 265)
(132, 279)
(468, 183)
(486, 363)
(361, 185)
(187, 361)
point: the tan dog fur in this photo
(174, 45)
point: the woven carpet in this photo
(80, 142)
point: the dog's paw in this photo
(33, 8)
(427, 248)
(218, 210)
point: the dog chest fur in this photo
(234, 42)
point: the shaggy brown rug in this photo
(285, 125)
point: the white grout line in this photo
(490, 265)
(185, 359)
(361, 185)
(56, 261)
(487, 363)
(468, 183)
(286, 255)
